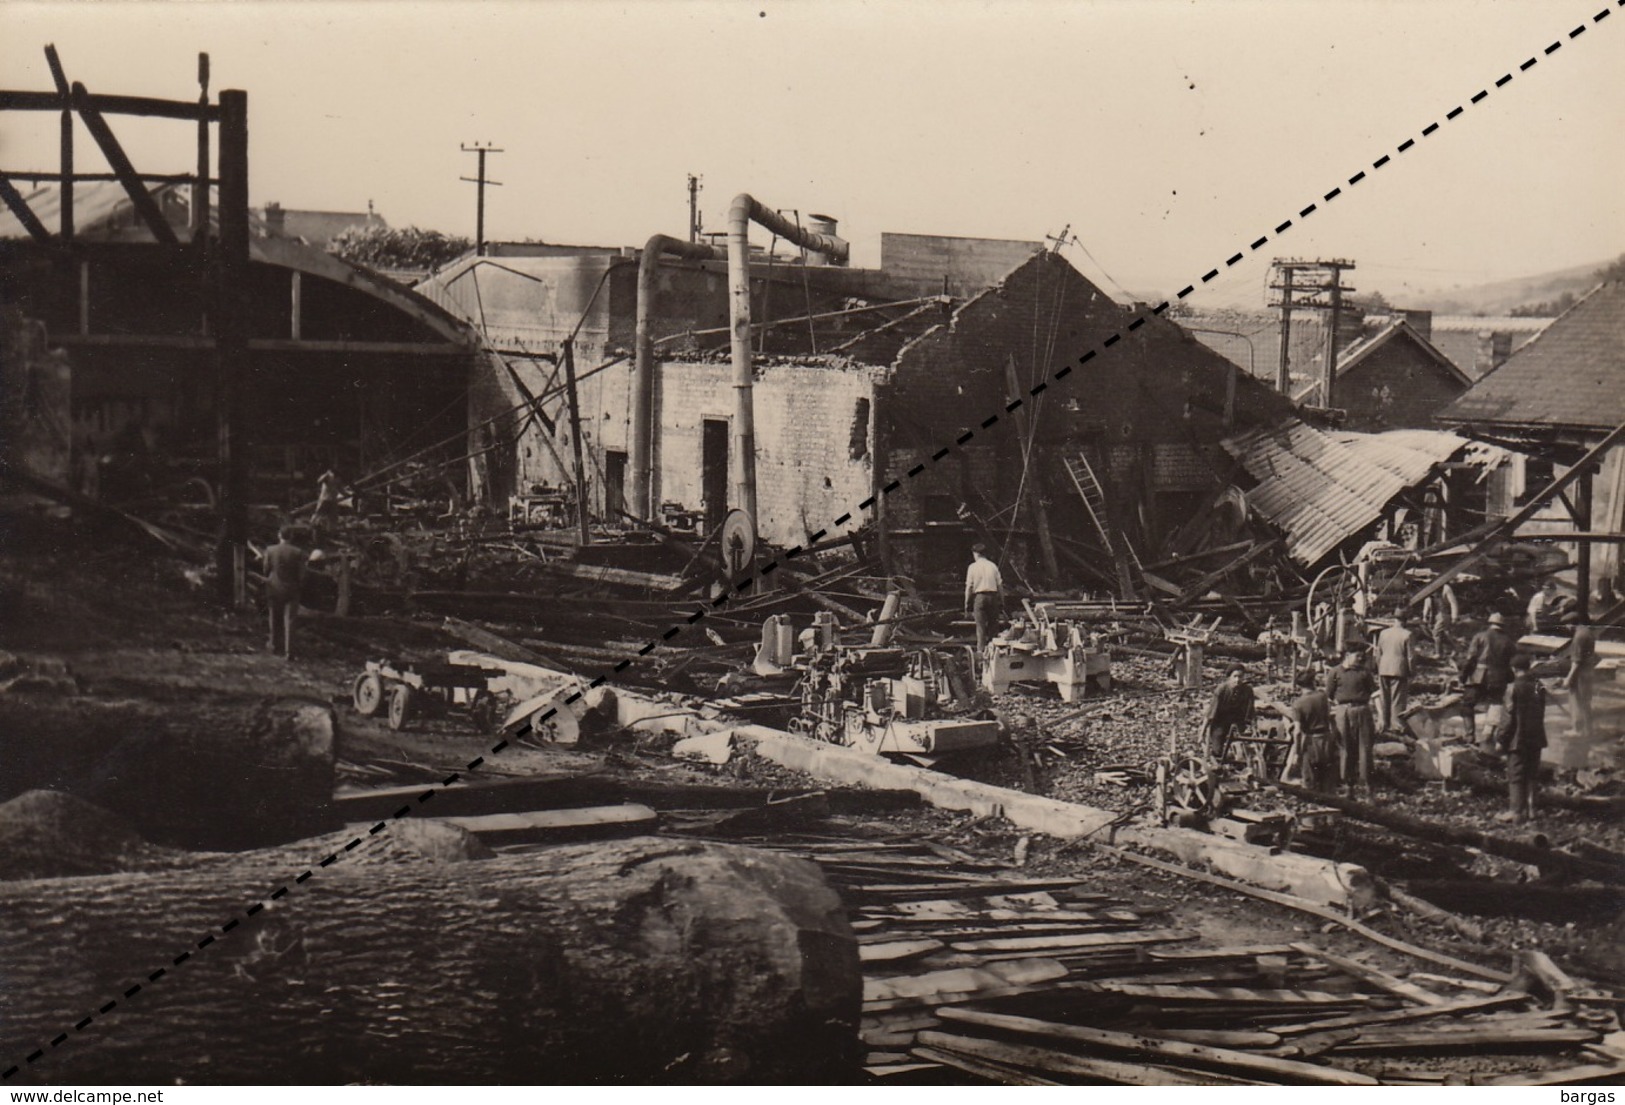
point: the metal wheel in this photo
(401, 706)
(368, 694)
(1192, 785)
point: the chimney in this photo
(825, 225)
(275, 220)
(1421, 321)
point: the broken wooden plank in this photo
(981, 888)
(896, 950)
(1052, 1061)
(1224, 1058)
(1401, 1016)
(1477, 1039)
(1081, 940)
(1228, 995)
(548, 826)
(1372, 976)
(994, 976)
(1218, 1037)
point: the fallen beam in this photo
(1309, 877)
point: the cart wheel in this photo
(368, 694)
(1192, 785)
(401, 706)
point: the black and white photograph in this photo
(907, 545)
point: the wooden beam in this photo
(19, 207)
(13, 100)
(145, 205)
(1197, 589)
(66, 128)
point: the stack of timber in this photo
(974, 969)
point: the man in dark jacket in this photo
(1230, 709)
(1486, 670)
(1521, 735)
(1349, 689)
(1311, 714)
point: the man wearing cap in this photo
(1394, 666)
(1349, 689)
(983, 587)
(1311, 713)
(1582, 674)
(1486, 671)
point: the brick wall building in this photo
(1395, 379)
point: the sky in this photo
(1166, 134)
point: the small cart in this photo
(434, 688)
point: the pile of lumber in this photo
(972, 969)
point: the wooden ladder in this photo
(1094, 502)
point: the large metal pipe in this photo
(640, 451)
(741, 213)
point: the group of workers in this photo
(1338, 718)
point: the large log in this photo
(222, 774)
(1522, 851)
(642, 961)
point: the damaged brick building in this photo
(860, 376)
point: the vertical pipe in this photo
(640, 449)
(231, 340)
(744, 423)
(582, 516)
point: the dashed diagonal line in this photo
(743, 586)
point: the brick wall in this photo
(1396, 386)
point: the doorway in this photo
(714, 471)
(614, 485)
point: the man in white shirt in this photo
(983, 590)
(1542, 610)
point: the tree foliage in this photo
(406, 247)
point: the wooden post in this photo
(296, 290)
(583, 519)
(1336, 311)
(1283, 374)
(1582, 547)
(200, 187)
(231, 338)
(62, 90)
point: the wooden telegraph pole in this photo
(231, 345)
(480, 182)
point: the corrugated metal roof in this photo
(1322, 488)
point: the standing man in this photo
(284, 582)
(1395, 664)
(1521, 735)
(1542, 607)
(1311, 712)
(1230, 708)
(1486, 670)
(327, 496)
(1582, 675)
(984, 588)
(1349, 689)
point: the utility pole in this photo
(583, 517)
(1317, 286)
(1283, 375)
(694, 227)
(479, 216)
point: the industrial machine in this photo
(914, 702)
(1043, 648)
